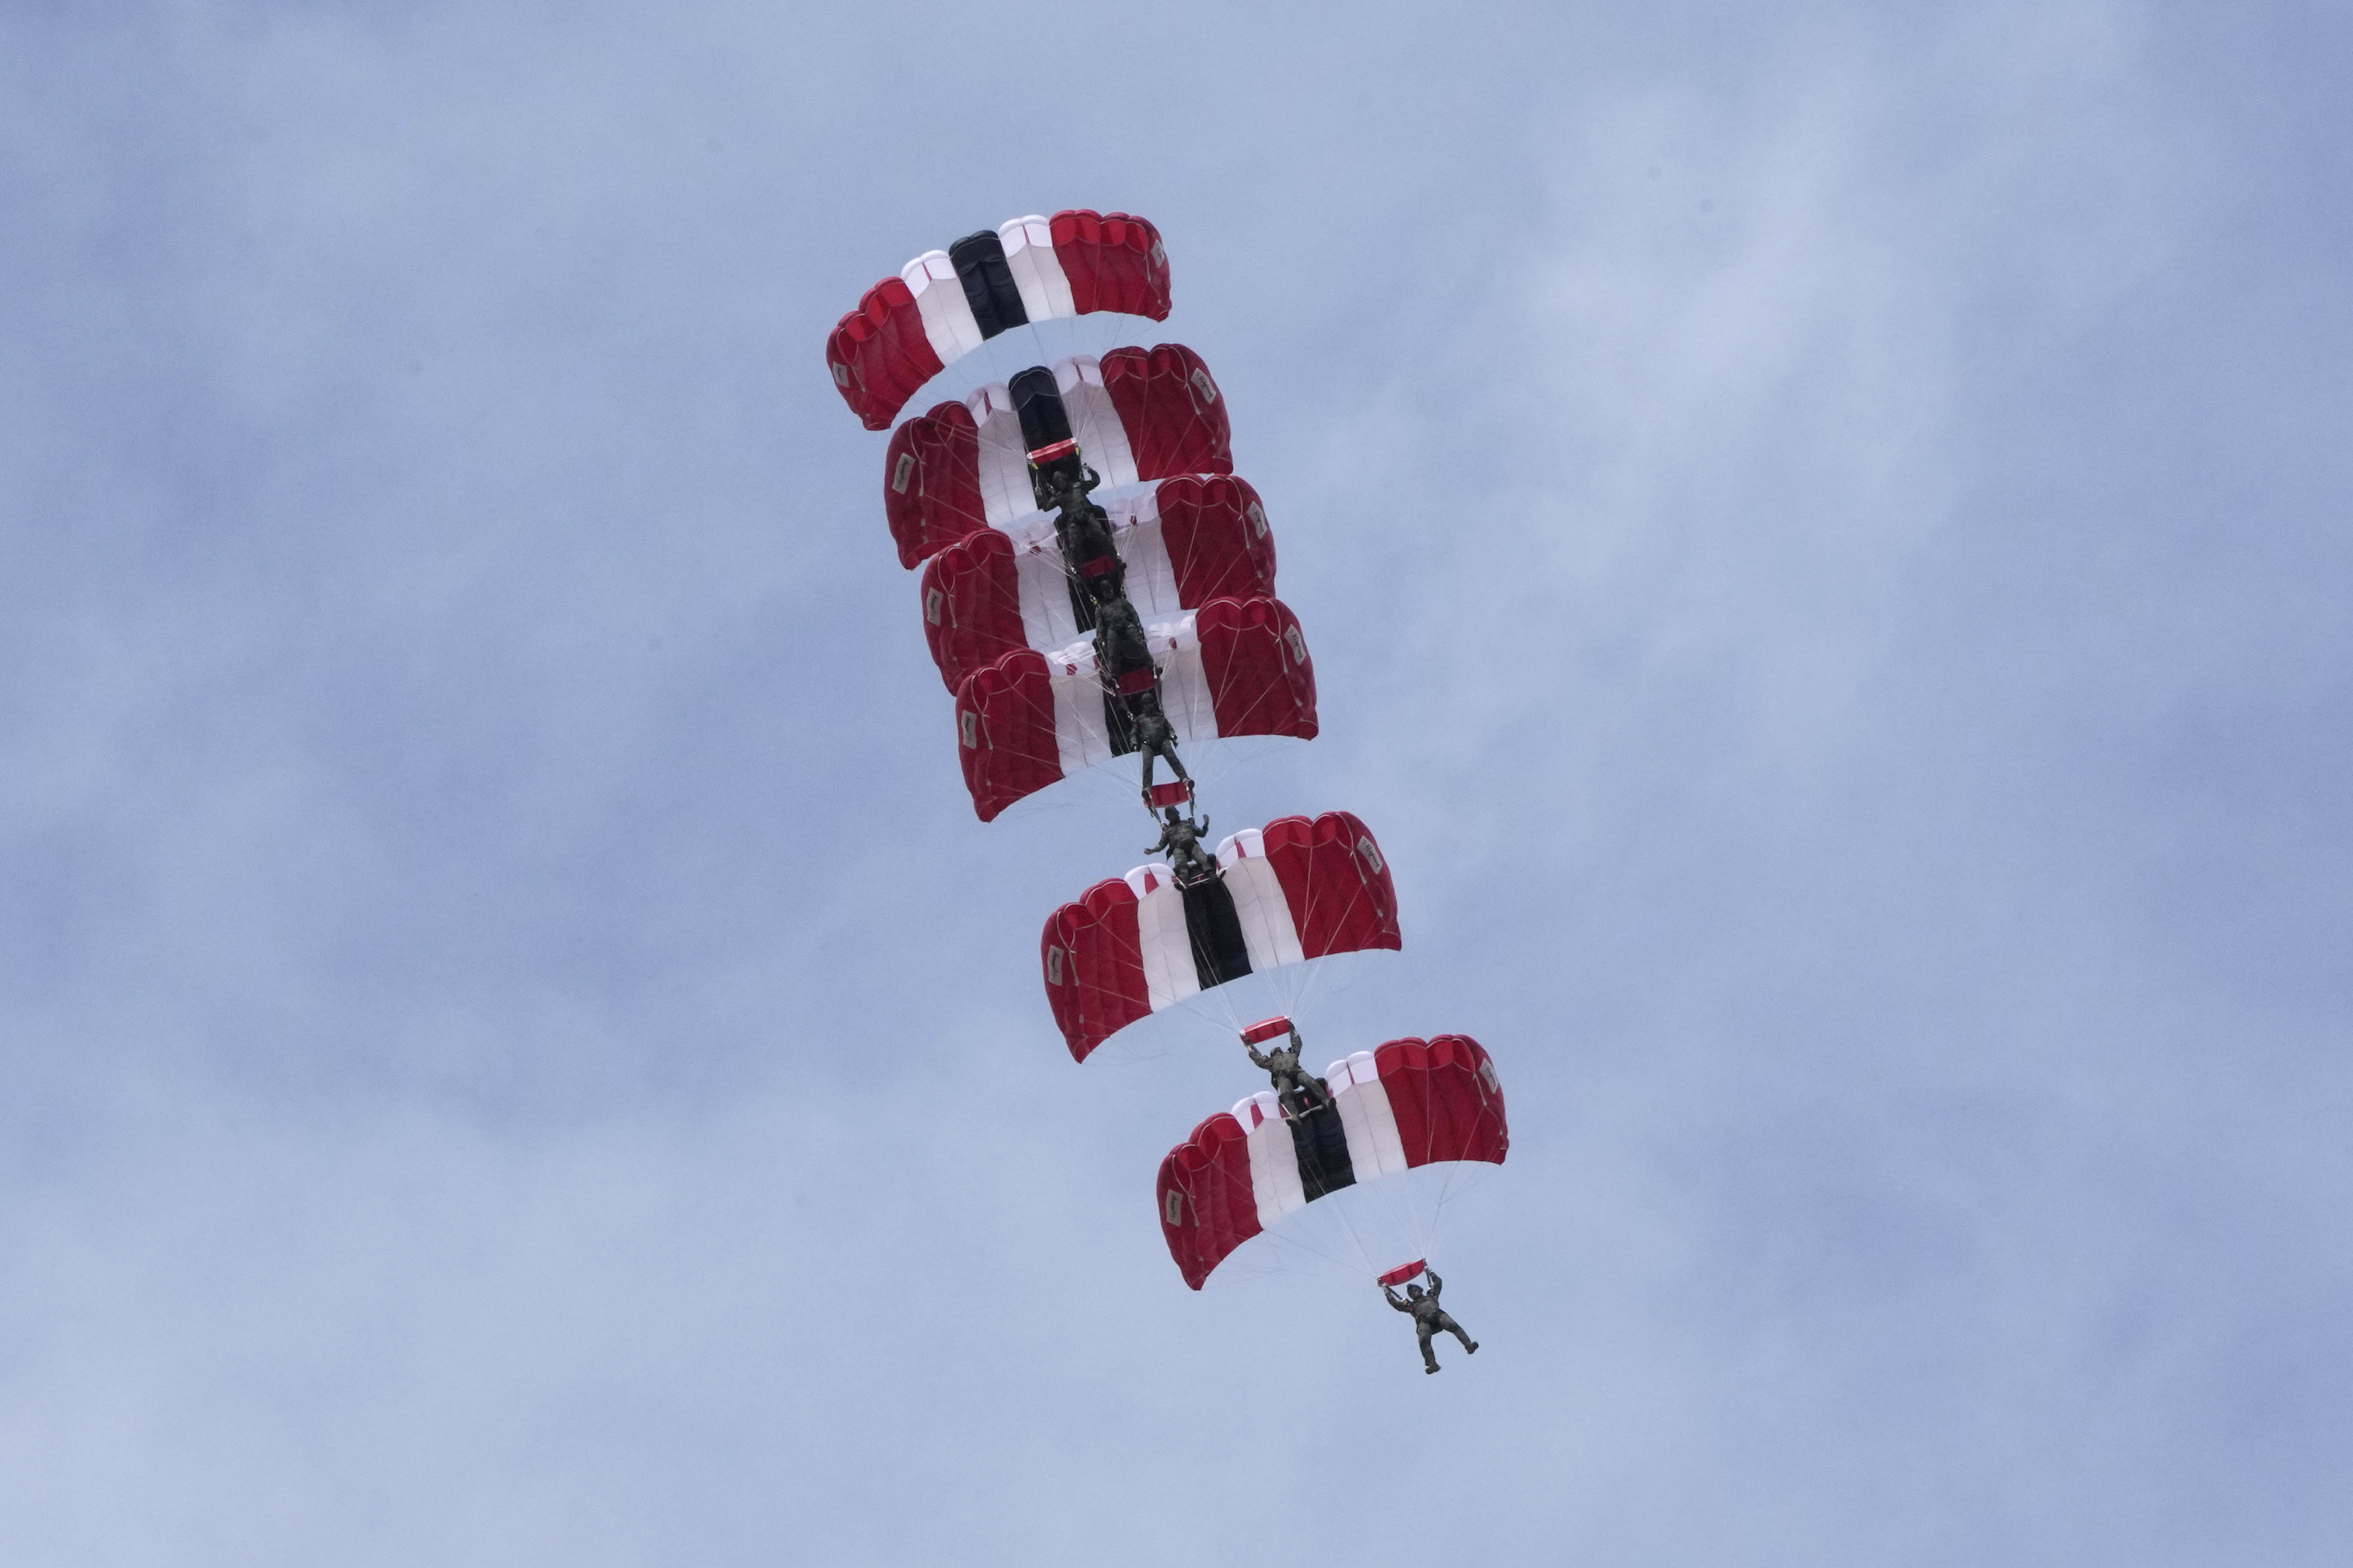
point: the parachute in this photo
(1135, 414)
(1296, 889)
(1233, 668)
(1185, 541)
(1408, 1104)
(946, 303)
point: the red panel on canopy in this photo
(1214, 528)
(930, 482)
(972, 605)
(1096, 985)
(1207, 1207)
(1114, 262)
(1171, 409)
(1447, 1102)
(1336, 882)
(1255, 660)
(1004, 732)
(879, 354)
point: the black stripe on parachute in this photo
(1321, 1144)
(988, 286)
(1219, 954)
(1037, 402)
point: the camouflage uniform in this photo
(1293, 1084)
(1181, 837)
(1428, 1318)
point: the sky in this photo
(1823, 531)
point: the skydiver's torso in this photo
(1119, 630)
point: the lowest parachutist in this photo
(1429, 1317)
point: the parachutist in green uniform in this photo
(1293, 1084)
(1181, 837)
(1156, 737)
(1428, 1318)
(1083, 529)
(1120, 646)
(1072, 486)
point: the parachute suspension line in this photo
(1364, 1254)
(1458, 1174)
(1297, 1239)
(1405, 1219)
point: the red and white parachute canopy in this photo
(1183, 543)
(1298, 888)
(945, 303)
(1233, 668)
(1407, 1105)
(1135, 414)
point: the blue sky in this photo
(1822, 529)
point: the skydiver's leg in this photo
(1429, 1356)
(1451, 1327)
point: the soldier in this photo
(1181, 837)
(1155, 736)
(1083, 529)
(1429, 1317)
(1293, 1084)
(1072, 486)
(1120, 646)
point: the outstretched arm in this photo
(1265, 1065)
(1436, 1284)
(1392, 1295)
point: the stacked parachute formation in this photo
(1098, 584)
